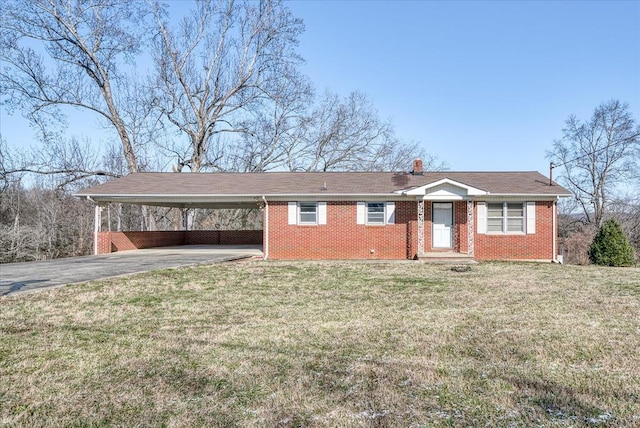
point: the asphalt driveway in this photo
(29, 276)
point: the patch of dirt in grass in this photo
(328, 344)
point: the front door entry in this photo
(442, 224)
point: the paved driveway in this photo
(28, 276)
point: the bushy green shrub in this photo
(610, 246)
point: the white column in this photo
(420, 227)
(97, 223)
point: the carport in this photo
(185, 191)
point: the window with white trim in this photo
(375, 213)
(307, 213)
(505, 217)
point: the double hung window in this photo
(375, 212)
(308, 213)
(506, 217)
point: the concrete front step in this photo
(446, 257)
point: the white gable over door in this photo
(445, 190)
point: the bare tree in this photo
(597, 155)
(332, 134)
(223, 60)
(6, 165)
(274, 132)
(348, 135)
(61, 55)
(70, 53)
(71, 160)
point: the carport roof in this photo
(241, 189)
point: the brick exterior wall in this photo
(461, 233)
(223, 237)
(109, 242)
(538, 246)
(341, 237)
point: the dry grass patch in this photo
(328, 344)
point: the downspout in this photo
(266, 229)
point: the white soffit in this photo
(445, 188)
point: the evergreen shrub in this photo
(610, 247)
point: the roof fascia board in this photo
(206, 205)
(222, 195)
(284, 196)
(339, 197)
(181, 199)
(520, 196)
(544, 195)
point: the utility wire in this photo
(553, 165)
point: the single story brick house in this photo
(354, 215)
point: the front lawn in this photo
(328, 344)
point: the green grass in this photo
(327, 344)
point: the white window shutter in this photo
(322, 213)
(390, 209)
(531, 217)
(482, 217)
(361, 211)
(293, 213)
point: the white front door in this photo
(442, 224)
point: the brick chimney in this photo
(417, 167)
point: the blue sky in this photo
(482, 85)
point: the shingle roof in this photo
(311, 183)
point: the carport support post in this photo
(185, 219)
(97, 223)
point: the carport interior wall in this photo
(110, 241)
